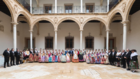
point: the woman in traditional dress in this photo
(98, 58)
(87, 58)
(81, 57)
(63, 57)
(53, 57)
(43, 57)
(47, 57)
(106, 57)
(84, 52)
(39, 57)
(35, 57)
(118, 58)
(68, 57)
(75, 57)
(31, 58)
(56, 56)
(134, 65)
(59, 56)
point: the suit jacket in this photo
(122, 55)
(6, 53)
(113, 55)
(17, 54)
(128, 55)
(109, 55)
(12, 54)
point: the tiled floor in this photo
(66, 71)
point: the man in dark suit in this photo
(17, 54)
(6, 55)
(127, 57)
(109, 57)
(123, 59)
(113, 57)
(12, 55)
(71, 54)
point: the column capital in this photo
(108, 30)
(30, 30)
(14, 23)
(125, 22)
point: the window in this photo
(48, 8)
(69, 42)
(49, 43)
(89, 42)
(89, 8)
(68, 8)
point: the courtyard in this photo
(66, 71)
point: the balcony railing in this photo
(75, 9)
(25, 3)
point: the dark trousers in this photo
(12, 61)
(6, 60)
(123, 63)
(110, 61)
(17, 60)
(127, 61)
(113, 61)
(71, 58)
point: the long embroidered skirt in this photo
(56, 60)
(59, 59)
(68, 59)
(134, 65)
(81, 58)
(87, 60)
(46, 58)
(39, 59)
(53, 58)
(31, 58)
(98, 60)
(43, 59)
(75, 59)
(63, 59)
(50, 59)
(35, 57)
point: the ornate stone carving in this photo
(2, 28)
(123, 7)
(55, 20)
(16, 9)
(81, 19)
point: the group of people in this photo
(120, 58)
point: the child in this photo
(68, 57)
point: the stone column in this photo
(55, 6)
(81, 37)
(108, 1)
(31, 6)
(14, 35)
(107, 40)
(55, 39)
(124, 34)
(31, 39)
(81, 6)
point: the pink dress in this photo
(68, 58)
(46, 58)
(39, 58)
(59, 57)
(53, 58)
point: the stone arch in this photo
(112, 15)
(25, 15)
(92, 18)
(40, 19)
(68, 18)
(128, 8)
(11, 10)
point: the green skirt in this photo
(134, 65)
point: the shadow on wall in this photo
(1, 61)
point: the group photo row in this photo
(125, 58)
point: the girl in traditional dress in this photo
(87, 58)
(56, 56)
(75, 57)
(39, 57)
(47, 57)
(43, 57)
(98, 58)
(134, 61)
(118, 58)
(68, 57)
(59, 56)
(50, 58)
(81, 57)
(92, 57)
(63, 57)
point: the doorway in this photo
(112, 43)
(27, 43)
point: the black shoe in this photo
(128, 69)
(8, 66)
(4, 67)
